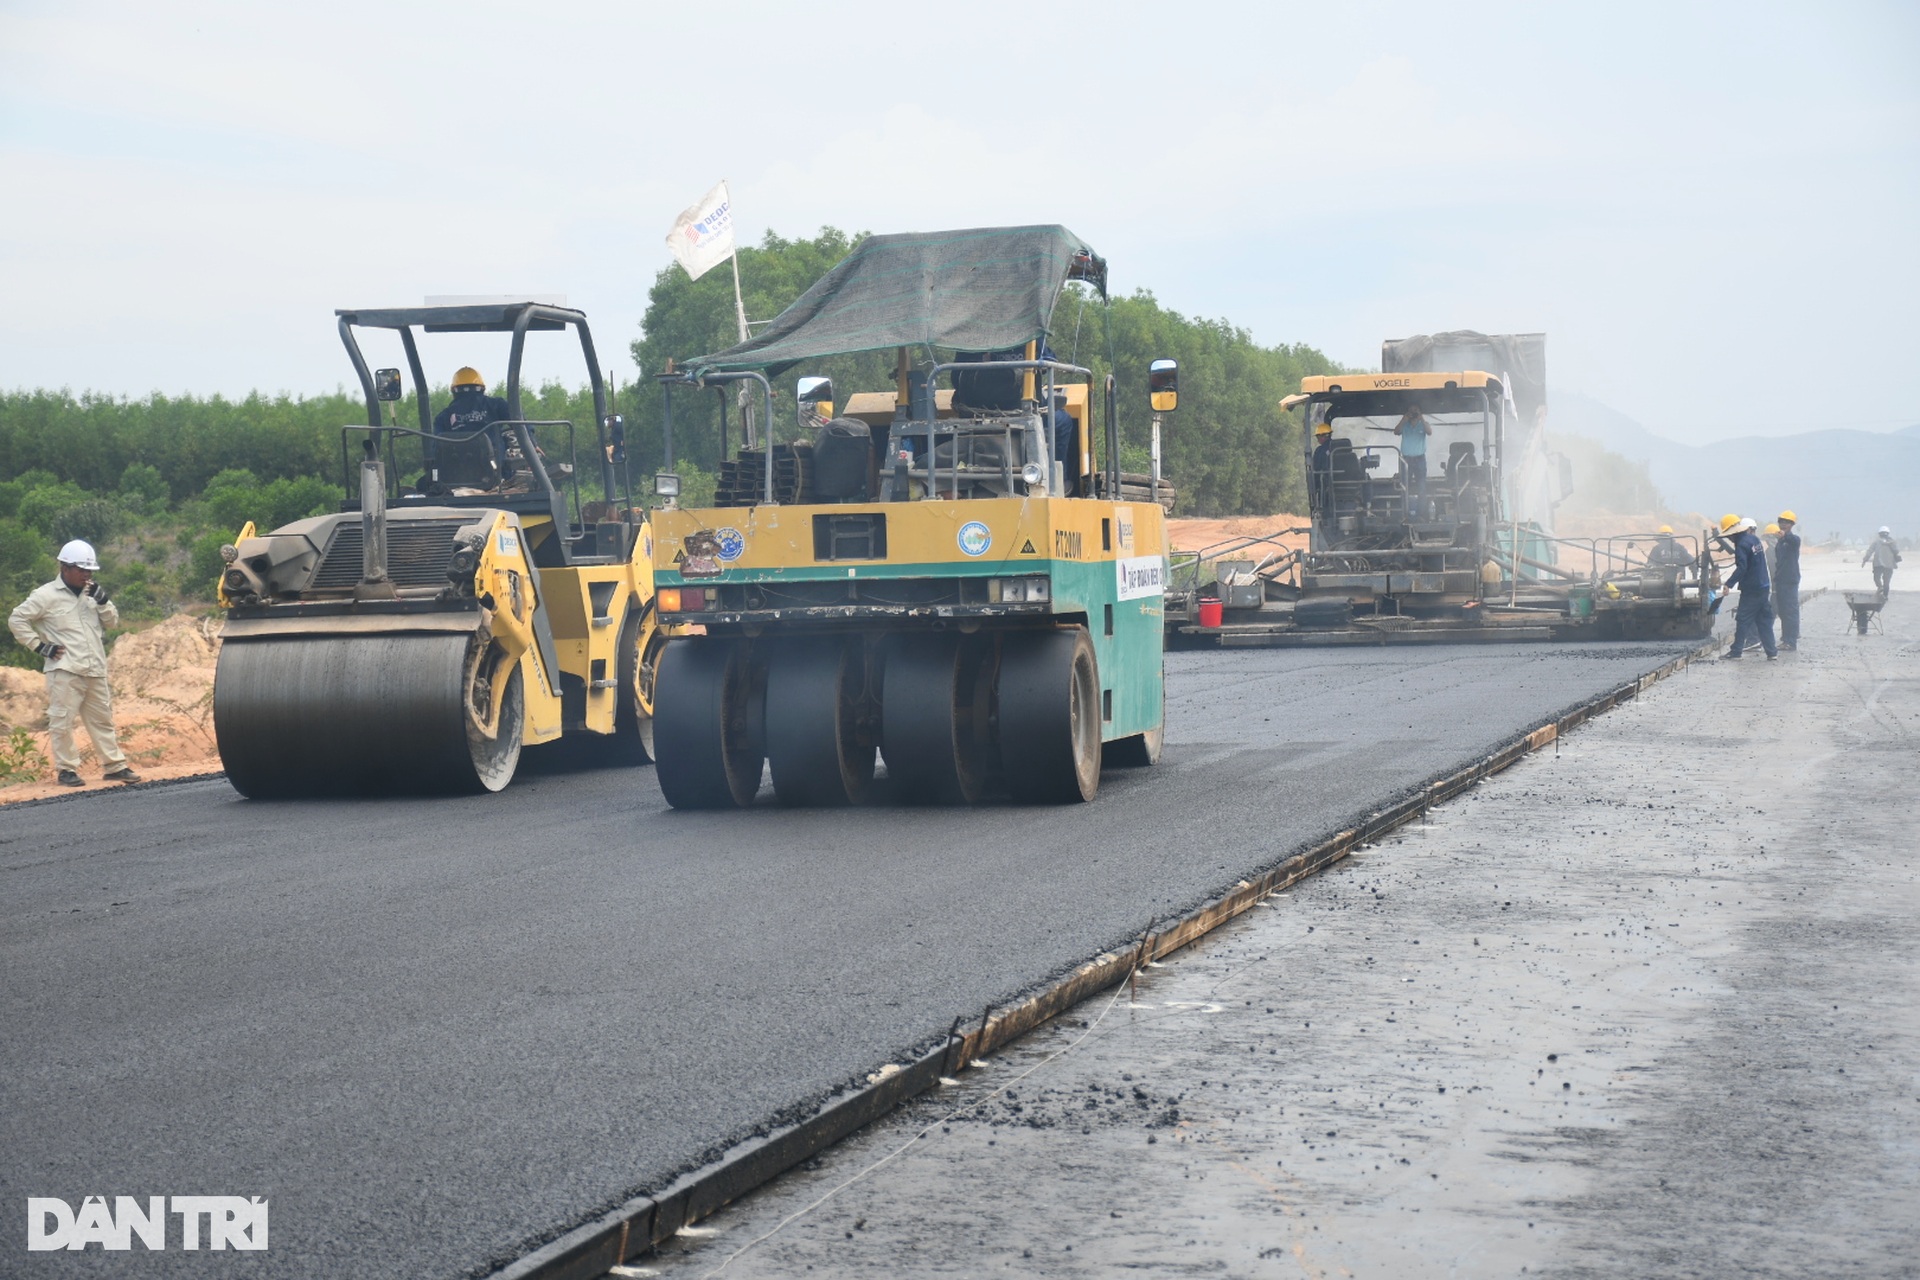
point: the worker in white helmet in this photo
(1883, 553)
(66, 622)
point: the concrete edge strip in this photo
(613, 1238)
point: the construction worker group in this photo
(1767, 576)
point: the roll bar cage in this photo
(515, 318)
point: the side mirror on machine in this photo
(815, 394)
(1163, 385)
(386, 384)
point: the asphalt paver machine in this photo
(466, 600)
(947, 578)
(1446, 540)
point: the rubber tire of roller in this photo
(935, 709)
(1049, 700)
(708, 724)
(1141, 750)
(817, 750)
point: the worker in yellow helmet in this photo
(1668, 553)
(1753, 621)
(471, 410)
(1320, 469)
(1786, 580)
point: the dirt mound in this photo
(162, 706)
(1196, 535)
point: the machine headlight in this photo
(666, 485)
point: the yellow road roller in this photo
(467, 600)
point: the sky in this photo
(1709, 208)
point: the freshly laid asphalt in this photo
(436, 1033)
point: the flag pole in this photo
(739, 304)
(740, 313)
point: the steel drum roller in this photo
(353, 715)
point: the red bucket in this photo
(1212, 613)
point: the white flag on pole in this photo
(702, 236)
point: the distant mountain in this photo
(1839, 481)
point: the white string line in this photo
(951, 1116)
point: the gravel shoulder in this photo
(1647, 1004)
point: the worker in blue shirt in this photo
(1413, 432)
(1786, 580)
(1754, 619)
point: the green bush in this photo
(26, 560)
(143, 489)
(44, 504)
(95, 519)
(204, 564)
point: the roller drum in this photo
(357, 715)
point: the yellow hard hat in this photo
(468, 376)
(1666, 528)
(1324, 429)
(1787, 517)
(1773, 529)
(1728, 521)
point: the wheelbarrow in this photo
(1866, 608)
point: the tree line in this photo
(159, 483)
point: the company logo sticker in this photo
(1141, 576)
(733, 544)
(975, 538)
(508, 541)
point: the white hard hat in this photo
(1746, 523)
(1886, 531)
(79, 554)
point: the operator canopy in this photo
(986, 289)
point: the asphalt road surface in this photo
(437, 1033)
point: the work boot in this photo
(122, 774)
(68, 778)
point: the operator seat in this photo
(466, 464)
(1349, 476)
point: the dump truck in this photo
(1430, 494)
(954, 580)
(468, 599)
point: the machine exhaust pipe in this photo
(374, 583)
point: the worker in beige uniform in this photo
(66, 623)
